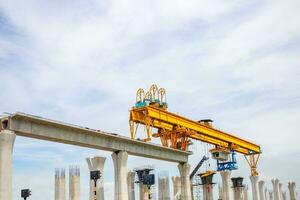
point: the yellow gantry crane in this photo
(175, 131)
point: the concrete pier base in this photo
(60, 184)
(292, 190)
(120, 168)
(254, 185)
(7, 139)
(176, 187)
(184, 170)
(225, 175)
(163, 189)
(74, 183)
(130, 185)
(261, 188)
(275, 183)
(96, 163)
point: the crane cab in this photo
(220, 154)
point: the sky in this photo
(81, 61)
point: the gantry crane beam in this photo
(176, 131)
(155, 117)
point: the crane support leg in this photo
(252, 160)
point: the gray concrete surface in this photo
(50, 130)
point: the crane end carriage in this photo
(175, 131)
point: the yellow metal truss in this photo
(175, 131)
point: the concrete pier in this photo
(261, 188)
(7, 139)
(280, 191)
(284, 196)
(271, 195)
(275, 183)
(176, 187)
(225, 175)
(120, 168)
(60, 184)
(292, 190)
(254, 185)
(163, 188)
(220, 192)
(207, 185)
(245, 193)
(238, 188)
(184, 170)
(266, 194)
(96, 164)
(130, 185)
(74, 183)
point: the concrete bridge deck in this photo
(37, 127)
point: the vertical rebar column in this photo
(74, 183)
(261, 188)
(60, 184)
(292, 189)
(7, 140)
(176, 187)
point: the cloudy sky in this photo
(81, 61)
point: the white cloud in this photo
(81, 62)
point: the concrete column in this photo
(208, 193)
(120, 168)
(130, 185)
(74, 183)
(254, 184)
(238, 188)
(184, 170)
(60, 184)
(280, 191)
(204, 190)
(292, 190)
(220, 192)
(266, 194)
(284, 196)
(144, 192)
(238, 193)
(163, 189)
(225, 175)
(261, 188)
(176, 187)
(96, 164)
(271, 195)
(275, 183)
(246, 197)
(7, 139)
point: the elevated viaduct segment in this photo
(21, 124)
